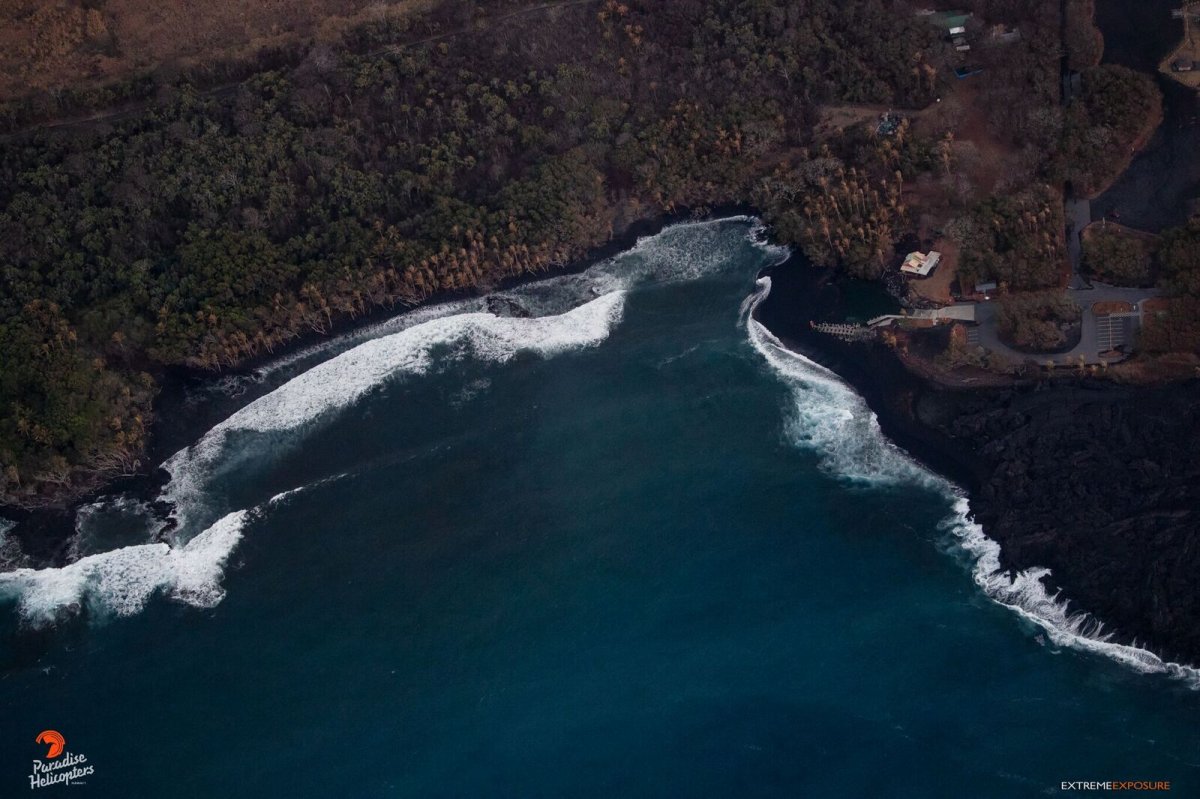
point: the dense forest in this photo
(1115, 257)
(223, 211)
(1115, 106)
(213, 226)
(1013, 239)
(1175, 326)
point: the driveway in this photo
(1079, 216)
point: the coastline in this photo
(931, 422)
(44, 532)
(1108, 556)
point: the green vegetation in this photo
(959, 352)
(1114, 107)
(212, 221)
(845, 207)
(1038, 321)
(1085, 45)
(213, 227)
(1175, 327)
(1014, 239)
(1118, 258)
(1180, 256)
(1012, 232)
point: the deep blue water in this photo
(645, 560)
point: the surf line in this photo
(830, 418)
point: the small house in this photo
(985, 288)
(920, 264)
(1182, 65)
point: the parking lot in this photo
(1114, 330)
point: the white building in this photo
(918, 263)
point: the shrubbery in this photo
(1037, 322)
(1176, 328)
(1117, 258)
(1114, 107)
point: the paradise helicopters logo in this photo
(60, 766)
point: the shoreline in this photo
(44, 532)
(914, 413)
(1003, 446)
(882, 380)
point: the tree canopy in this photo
(216, 225)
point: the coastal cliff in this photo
(1098, 482)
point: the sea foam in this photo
(344, 379)
(121, 581)
(569, 312)
(830, 418)
(1026, 593)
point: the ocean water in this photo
(624, 545)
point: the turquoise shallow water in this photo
(619, 554)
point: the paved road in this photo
(1079, 216)
(1092, 342)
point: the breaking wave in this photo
(554, 316)
(121, 581)
(1025, 593)
(343, 380)
(563, 313)
(190, 568)
(681, 251)
(828, 417)
(545, 318)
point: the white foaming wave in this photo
(833, 420)
(680, 252)
(686, 256)
(284, 496)
(829, 417)
(1025, 593)
(396, 324)
(689, 250)
(345, 378)
(121, 581)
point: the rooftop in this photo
(948, 19)
(918, 263)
